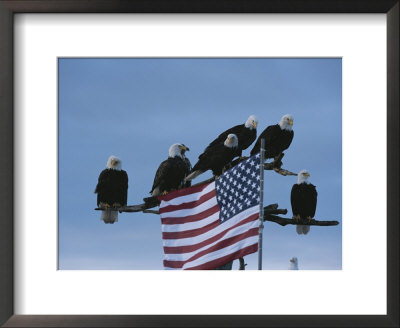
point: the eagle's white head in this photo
(286, 122)
(294, 265)
(114, 163)
(177, 150)
(302, 177)
(251, 122)
(231, 141)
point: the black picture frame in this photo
(7, 10)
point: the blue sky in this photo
(135, 108)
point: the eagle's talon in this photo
(116, 205)
(296, 218)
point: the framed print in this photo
(48, 46)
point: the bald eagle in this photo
(188, 169)
(171, 173)
(112, 189)
(246, 134)
(216, 157)
(277, 138)
(294, 264)
(303, 198)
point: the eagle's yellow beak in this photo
(255, 124)
(291, 122)
(183, 147)
(307, 174)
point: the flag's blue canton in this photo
(239, 188)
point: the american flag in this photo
(209, 225)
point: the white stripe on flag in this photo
(191, 211)
(190, 225)
(188, 198)
(231, 233)
(222, 227)
(221, 252)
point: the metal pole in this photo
(261, 218)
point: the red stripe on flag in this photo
(222, 244)
(190, 233)
(226, 259)
(191, 218)
(217, 262)
(192, 248)
(182, 192)
(188, 205)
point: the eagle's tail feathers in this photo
(299, 229)
(306, 229)
(302, 229)
(109, 216)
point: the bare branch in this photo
(283, 171)
(277, 211)
(273, 209)
(286, 221)
(270, 212)
(133, 208)
(151, 211)
(128, 208)
(270, 209)
(276, 166)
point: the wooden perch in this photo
(273, 209)
(276, 166)
(130, 208)
(134, 208)
(286, 221)
(145, 207)
(151, 211)
(270, 212)
(280, 170)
